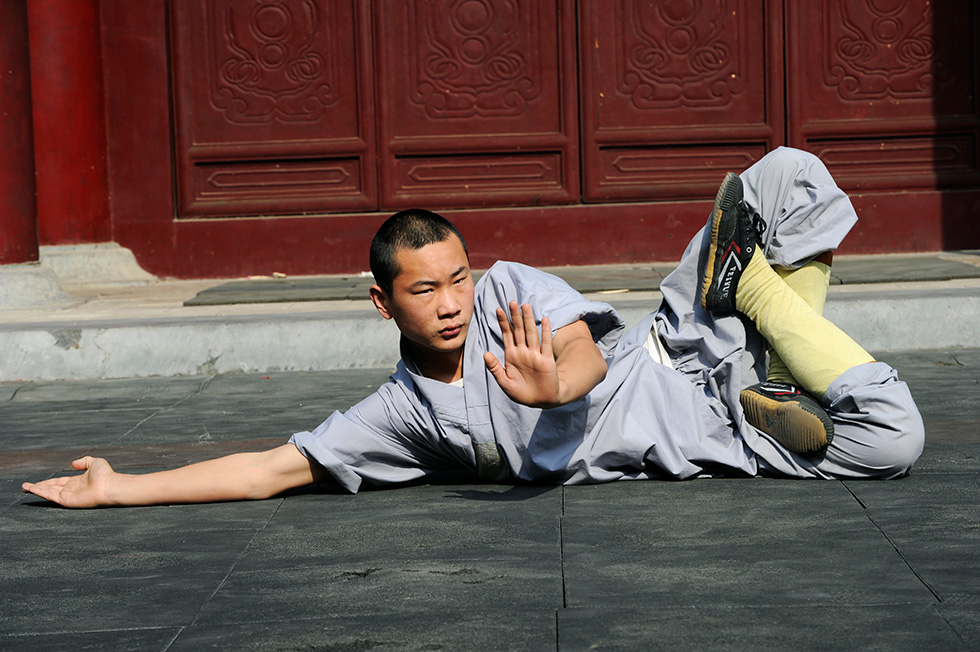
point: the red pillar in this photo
(69, 122)
(18, 221)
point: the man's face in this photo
(431, 299)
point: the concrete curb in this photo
(896, 317)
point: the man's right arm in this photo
(243, 476)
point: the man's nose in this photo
(448, 304)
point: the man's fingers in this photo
(530, 327)
(83, 463)
(495, 368)
(43, 490)
(505, 330)
(520, 337)
(546, 337)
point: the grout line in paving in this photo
(234, 564)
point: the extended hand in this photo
(529, 374)
(85, 490)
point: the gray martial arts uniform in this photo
(645, 420)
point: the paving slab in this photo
(413, 630)
(145, 393)
(965, 621)
(885, 628)
(735, 564)
(591, 278)
(904, 269)
(308, 593)
(53, 426)
(391, 527)
(112, 580)
(238, 418)
(934, 520)
(112, 640)
(749, 551)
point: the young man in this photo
(484, 386)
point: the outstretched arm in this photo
(242, 476)
(545, 371)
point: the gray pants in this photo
(878, 429)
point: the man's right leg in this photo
(878, 431)
(816, 352)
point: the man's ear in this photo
(380, 301)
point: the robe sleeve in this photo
(389, 437)
(549, 296)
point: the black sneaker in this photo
(732, 244)
(789, 415)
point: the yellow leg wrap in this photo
(810, 282)
(815, 351)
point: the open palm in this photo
(529, 374)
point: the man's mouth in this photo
(450, 332)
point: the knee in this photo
(879, 431)
(786, 163)
(884, 450)
(900, 452)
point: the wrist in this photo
(113, 489)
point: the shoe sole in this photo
(788, 422)
(725, 200)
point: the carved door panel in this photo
(676, 93)
(477, 103)
(885, 92)
(273, 107)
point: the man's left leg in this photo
(804, 426)
(814, 351)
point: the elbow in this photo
(599, 370)
(603, 369)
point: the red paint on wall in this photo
(18, 231)
(69, 122)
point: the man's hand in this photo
(530, 376)
(85, 490)
(545, 371)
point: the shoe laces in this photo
(755, 221)
(759, 226)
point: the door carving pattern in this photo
(891, 103)
(674, 91)
(680, 54)
(270, 111)
(474, 57)
(882, 50)
(271, 60)
(475, 103)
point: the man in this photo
(481, 389)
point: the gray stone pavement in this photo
(737, 564)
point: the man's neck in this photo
(444, 367)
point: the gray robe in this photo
(644, 420)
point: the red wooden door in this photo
(477, 103)
(273, 107)
(541, 127)
(676, 93)
(885, 92)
